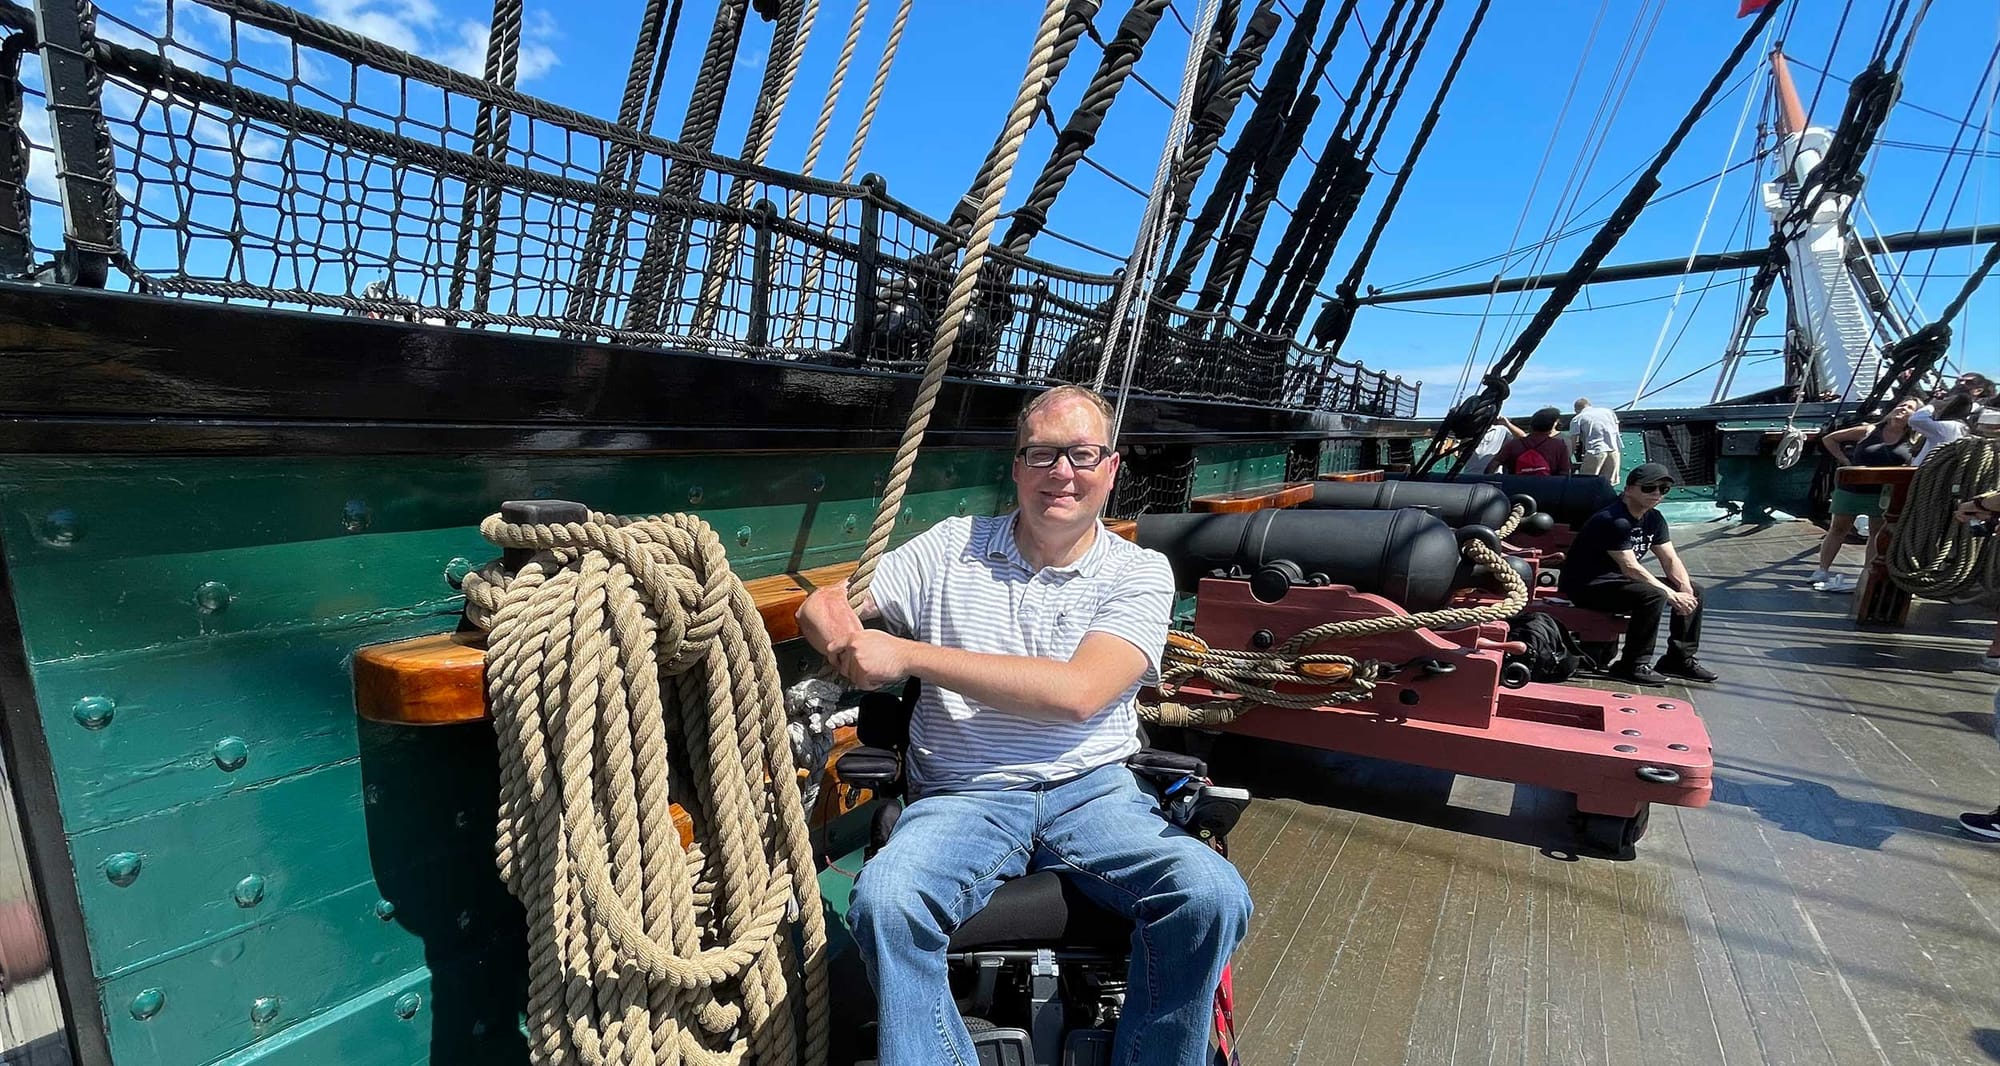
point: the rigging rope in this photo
(628, 669)
(1135, 288)
(1469, 420)
(1260, 137)
(1337, 317)
(1120, 55)
(489, 141)
(1048, 44)
(811, 287)
(665, 249)
(1680, 285)
(650, 52)
(788, 47)
(1216, 113)
(1933, 554)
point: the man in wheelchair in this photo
(1032, 633)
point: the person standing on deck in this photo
(1606, 571)
(1596, 433)
(1890, 442)
(1985, 824)
(1488, 448)
(1537, 453)
(1032, 632)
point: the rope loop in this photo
(628, 669)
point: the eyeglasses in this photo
(1081, 456)
(1656, 487)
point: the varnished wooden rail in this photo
(1287, 495)
(1353, 475)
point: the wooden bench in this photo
(1288, 495)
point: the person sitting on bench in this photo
(1606, 571)
(1032, 632)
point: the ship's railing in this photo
(244, 151)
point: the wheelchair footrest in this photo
(1004, 1047)
(1088, 1047)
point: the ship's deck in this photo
(1824, 908)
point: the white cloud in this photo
(418, 26)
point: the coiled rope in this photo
(1933, 554)
(627, 669)
(1514, 516)
(1325, 676)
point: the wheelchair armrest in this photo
(1216, 811)
(877, 769)
(1163, 768)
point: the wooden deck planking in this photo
(1823, 909)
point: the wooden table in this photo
(1878, 600)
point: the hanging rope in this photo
(1933, 554)
(643, 82)
(666, 247)
(489, 141)
(1216, 114)
(1126, 326)
(1327, 677)
(816, 266)
(1019, 121)
(628, 669)
(1260, 133)
(788, 47)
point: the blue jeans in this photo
(949, 851)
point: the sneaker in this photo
(1818, 577)
(1990, 664)
(1985, 826)
(1637, 673)
(1842, 583)
(1687, 669)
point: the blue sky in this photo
(961, 62)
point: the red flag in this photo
(1750, 7)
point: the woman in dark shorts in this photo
(1886, 443)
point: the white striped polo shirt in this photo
(963, 584)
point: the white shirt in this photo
(963, 584)
(1489, 447)
(1596, 429)
(1935, 432)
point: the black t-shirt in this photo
(1612, 529)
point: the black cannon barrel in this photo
(1570, 500)
(1463, 503)
(1407, 555)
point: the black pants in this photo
(1618, 593)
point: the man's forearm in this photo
(1037, 687)
(1637, 571)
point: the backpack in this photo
(1554, 654)
(1532, 461)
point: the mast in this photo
(1832, 324)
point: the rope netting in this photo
(264, 156)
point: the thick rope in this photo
(627, 668)
(1933, 554)
(817, 266)
(489, 139)
(788, 47)
(1514, 516)
(1326, 677)
(1019, 121)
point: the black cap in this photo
(1646, 472)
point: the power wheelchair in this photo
(1039, 973)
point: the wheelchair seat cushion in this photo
(1042, 910)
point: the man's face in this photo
(1643, 496)
(1061, 492)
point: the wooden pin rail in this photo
(441, 680)
(1879, 601)
(1287, 495)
